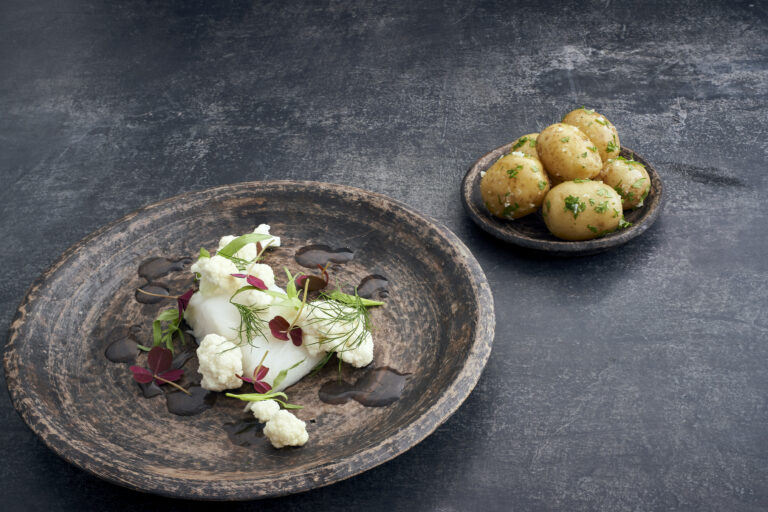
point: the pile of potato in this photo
(573, 171)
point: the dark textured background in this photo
(632, 380)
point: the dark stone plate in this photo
(531, 233)
(437, 326)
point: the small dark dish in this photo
(530, 231)
(437, 326)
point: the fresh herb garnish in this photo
(602, 207)
(159, 361)
(581, 180)
(638, 183)
(230, 250)
(260, 397)
(592, 148)
(565, 139)
(573, 204)
(259, 373)
(612, 146)
(510, 209)
(624, 224)
(542, 185)
(592, 228)
(587, 110)
(514, 172)
(601, 121)
(520, 143)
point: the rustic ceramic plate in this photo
(530, 231)
(437, 327)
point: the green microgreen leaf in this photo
(204, 253)
(565, 139)
(229, 250)
(283, 374)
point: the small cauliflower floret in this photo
(220, 362)
(349, 339)
(264, 230)
(264, 410)
(285, 429)
(216, 275)
(361, 355)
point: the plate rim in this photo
(400, 442)
(558, 247)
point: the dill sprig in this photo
(251, 322)
(350, 312)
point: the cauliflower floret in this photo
(216, 275)
(263, 272)
(264, 410)
(285, 429)
(220, 363)
(360, 356)
(325, 332)
(264, 230)
(249, 251)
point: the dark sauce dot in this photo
(153, 288)
(373, 286)
(199, 400)
(123, 347)
(150, 390)
(157, 267)
(245, 432)
(377, 388)
(313, 255)
(123, 350)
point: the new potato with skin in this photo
(629, 178)
(527, 145)
(599, 130)
(514, 186)
(567, 153)
(582, 210)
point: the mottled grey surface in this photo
(632, 380)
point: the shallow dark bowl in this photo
(437, 326)
(531, 233)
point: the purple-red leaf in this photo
(262, 372)
(297, 336)
(252, 280)
(172, 375)
(261, 387)
(245, 379)
(142, 375)
(159, 359)
(183, 301)
(279, 326)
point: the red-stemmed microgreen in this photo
(259, 373)
(159, 362)
(280, 327)
(254, 281)
(270, 394)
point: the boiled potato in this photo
(514, 186)
(629, 178)
(567, 153)
(526, 144)
(599, 130)
(582, 210)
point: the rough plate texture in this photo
(88, 410)
(530, 231)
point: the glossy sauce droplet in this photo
(157, 267)
(182, 404)
(154, 289)
(377, 388)
(373, 285)
(124, 348)
(245, 432)
(313, 255)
